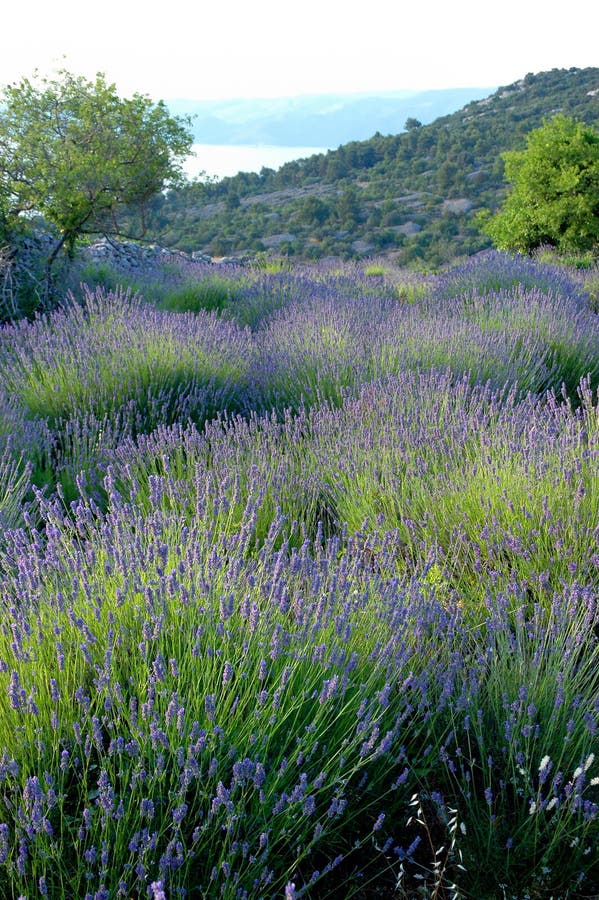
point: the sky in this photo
(264, 48)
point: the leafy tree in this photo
(313, 211)
(75, 153)
(348, 206)
(555, 194)
(232, 201)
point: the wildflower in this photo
(106, 798)
(157, 889)
(227, 673)
(309, 805)
(179, 813)
(379, 822)
(4, 843)
(545, 767)
(210, 706)
(147, 808)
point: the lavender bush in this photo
(312, 611)
(495, 271)
(113, 366)
(114, 348)
(223, 467)
(248, 294)
(314, 352)
(231, 723)
(466, 477)
(487, 485)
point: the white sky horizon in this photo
(268, 48)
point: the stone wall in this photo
(129, 256)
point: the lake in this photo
(220, 160)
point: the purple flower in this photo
(106, 798)
(379, 822)
(179, 813)
(147, 808)
(227, 673)
(157, 889)
(4, 842)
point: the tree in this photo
(348, 207)
(75, 153)
(555, 190)
(412, 123)
(313, 211)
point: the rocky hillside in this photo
(414, 196)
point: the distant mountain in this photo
(320, 120)
(413, 195)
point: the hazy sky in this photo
(263, 48)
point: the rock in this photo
(458, 206)
(227, 260)
(408, 228)
(408, 198)
(275, 240)
(362, 246)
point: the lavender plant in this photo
(313, 610)
(245, 712)
(98, 356)
(112, 367)
(487, 486)
(494, 272)
(243, 723)
(314, 352)
(228, 463)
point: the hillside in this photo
(413, 195)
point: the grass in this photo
(215, 292)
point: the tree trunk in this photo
(49, 285)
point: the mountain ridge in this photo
(318, 120)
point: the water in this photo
(219, 160)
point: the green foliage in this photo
(74, 152)
(214, 292)
(313, 211)
(554, 198)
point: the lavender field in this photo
(300, 585)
